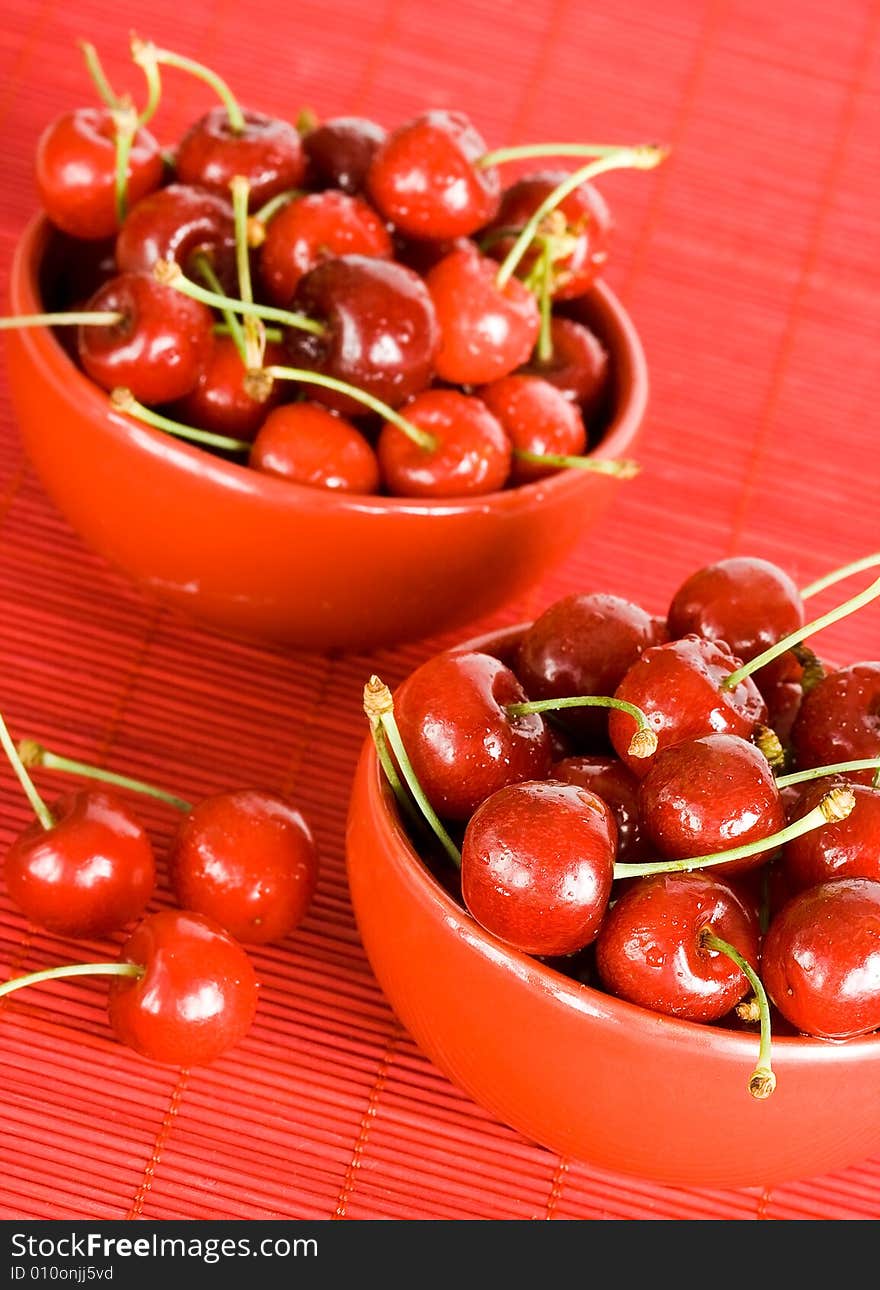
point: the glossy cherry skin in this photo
(425, 180)
(314, 228)
(159, 348)
(76, 171)
(537, 863)
(248, 860)
(461, 742)
(820, 963)
(308, 444)
(196, 998)
(710, 794)
(609, 779)
(649, 950)
(472, 455)
(179, 222)
(578, 365)
(536, 417)
(678, 685)
(839, 720)
(847, 848)
(220, 400)
(340, 151)
(583, 644)
(91, 873)
(268, 153)
(583, 217)
(381, 330)
(486, 331)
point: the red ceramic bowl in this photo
(583, 1073)
(273, 561)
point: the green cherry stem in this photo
(644, 741)
(642, 157)
(819, 772)
(834, 615)
(386, 761)
(33, 754)
(254, 330)
(306, 377)
(762, 1081)
(837, 575)
(126, 123)
(379, 707)
(272, 333)
(619, 467)
(234, 328)
(526, 151)
(71, 969)
(105, 90)
(258, 221)
(40, 809)
(78, 318)
(835, 805)
(171, 274)
(122, 400)
(144, 52)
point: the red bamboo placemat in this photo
(751, 264)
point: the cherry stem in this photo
(234, 327)
(836, 805)
(762, 1081)
(126, 122)
(420, 437)
(41, 810)
(380, 742)
(643, 157)
(33, 753)
(837, 575)
(834, 615)
(171, 275)
(272, 207)
(525, 151)
(80, 318)
(254, 331)
(644, 741)
(272, 333)
(71, 969)
(544, 347)
(122, 400)
(819, 772)
(379, 707)
(619, 467)
(93, 65)
(145, 52)
(768, 742)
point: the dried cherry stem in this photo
(145, 53)
(122, 400)
(526, 151)
(837, 575)
(641, 157)
(234, 328)
(762, 1081)
(171, 274)
(254, 329)
(379, 707)
(767, 741)
(71, 969)
(819, 772)
(33, 753)
(73, 318)
(836, 805)
(644, 741)
(834, 615)
(618, 467)
(40, 809)
(301, 374)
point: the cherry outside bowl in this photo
(261, 558)
(576, 1070)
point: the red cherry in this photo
(537, 862)
(179, 223)
(471, 456)
(89, 874)
(196, 998)
(312, 229)
(308, 444)
(76, 171)
(578, 365)
(340, 151)
(844, 849)
(537, 418)
(839, 720)
(609, 779)
(425, 180)
(221, 401)
(650, 949)
(159, 348)
(485, 330)
(820, 963)
(268, 153)
(461, 741)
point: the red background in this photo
(751, 264)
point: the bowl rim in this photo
(802, 1048)
(43, 345)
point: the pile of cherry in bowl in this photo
(346, 306)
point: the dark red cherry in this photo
(609, 779)
(578, 365)
(179, 223)
(159, 348)
(847, 848)
(461, 741)
(820, 964)
(650, 949)
(839, 720)
(76, 171)
(537, 862)
(340, 151)
(221, 401)
(268, 153)
(680, 687)
(309, 444)
(425, 179)
(536, 418)
(314, 228)
(381, 330)
(471, 456)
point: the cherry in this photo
(182, 223)
(577, 365)
(839, 720)
(468, 452)
(314, 228)
(222, 401)
(537, 418)
(845, 849)
(705, 794)
(380, 329)
(265, 150)
(820, 962)
(340, 151)
(157, 349)
(609, 779)
(76, 171)
(309, 444)
(425, 177)
(536, 865)
(486, 331)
